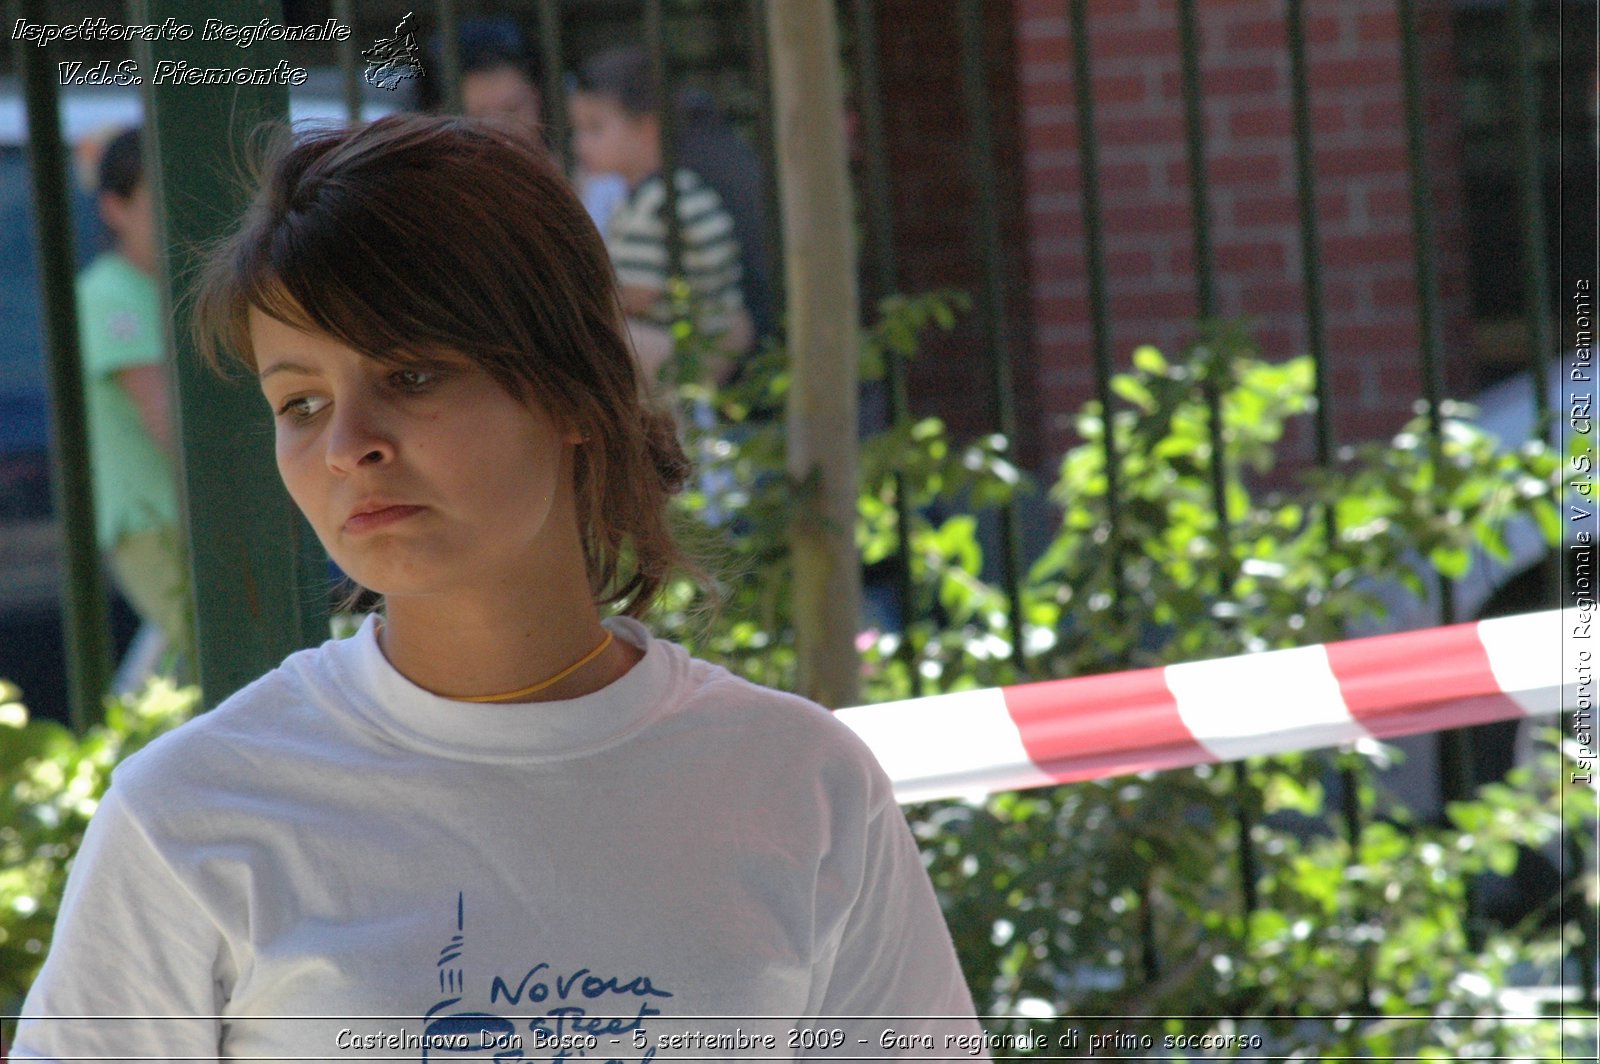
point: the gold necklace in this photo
(542, 684)
(534, 688)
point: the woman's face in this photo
(422, 480)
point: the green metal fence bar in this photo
(880, 247)
(1194, 121)
(555, 108)
(449, 18)
(980, 165)
(88, 639)
(349, 68)
(1099, 298)
(1199, 198)
(1351, 769)
(249, 548)
(1455, 754)
(655, 35)
(1310, 243)
(766, 148)
(1530, 195)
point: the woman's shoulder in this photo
(793, 734)
(276, 712)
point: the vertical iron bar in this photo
(980, 164)
(1455, 756)
(1227, 567)
(555, 103)
(344, 11)
(655, 35)
(1199, 195)
(255, 599)
(761, 77)
(1194, 121)
(450, 54)
(880, 239)
(88, 639)
(1310, 243)
(1536, 268)
(1351, 776)
(1099, 300)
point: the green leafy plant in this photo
(50, 783)
(1119, 898)
(1123, 897)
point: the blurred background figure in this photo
(616, 127)
(500, 78)
(132, 449)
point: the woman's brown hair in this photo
(417, 232)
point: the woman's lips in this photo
(373, 520)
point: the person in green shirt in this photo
(131, 444)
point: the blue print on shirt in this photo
(570, 1015)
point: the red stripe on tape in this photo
(1419, 681)
(1093, 726)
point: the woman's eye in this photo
(302, 407)
(414, 380)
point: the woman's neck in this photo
(489, 645)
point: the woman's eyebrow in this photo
(284, 367)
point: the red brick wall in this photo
(1370, 310)
(934, 206)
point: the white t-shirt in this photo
(336, 865)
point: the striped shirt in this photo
(636, 237)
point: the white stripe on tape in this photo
(1536, 657)
(1265, 703)
(946, 745)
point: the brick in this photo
(1255, 33)
(1341, 295)
(1146, 218)
(1135, 43)
(1248, 169)
(1135, 262)
(1256, 255)
(1278, 209)
(1042, 48)
(1278, 341)
(1378, 27)
(1367, 249)
(1272, 297)
(1394, 293)
(1132, 130)
(1123, 178)
(1374, 339)
(1397, 384)
(1355, 71)
(1391, 202)
(1269, 121)
(1120, 90)
(1361, 160)
(1169, 303)
(1241, 80)
(1057, 136)
(1384, 116)
(1324, 30)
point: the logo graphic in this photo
(465, 1035)
(392, 60)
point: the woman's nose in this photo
(358, 437)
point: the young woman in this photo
(495, 823)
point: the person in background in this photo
(617, 129)
(131, 444)
(710, 146)
(499, 81)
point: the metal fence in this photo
(253, 558)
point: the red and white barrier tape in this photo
(1064, 731)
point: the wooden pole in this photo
(823, 332)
